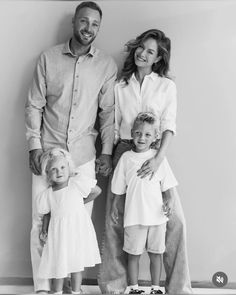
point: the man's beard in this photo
(83, 41)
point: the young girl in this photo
(71, 243)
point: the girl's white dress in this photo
(72, 243)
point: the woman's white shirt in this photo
(157, 94)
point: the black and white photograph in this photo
(118, 147)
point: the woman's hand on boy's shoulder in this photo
(149, 167)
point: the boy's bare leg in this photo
(133, 269)
(155, 268)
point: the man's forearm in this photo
(34, 107)
(107, 111)
(107, 138)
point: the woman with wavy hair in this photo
(144, 86)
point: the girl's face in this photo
(146, 54)
(58, 171)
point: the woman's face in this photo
(146, 54)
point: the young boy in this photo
(144, 216)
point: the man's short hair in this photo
(89, 4)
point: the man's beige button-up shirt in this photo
(64, 98)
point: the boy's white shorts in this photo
(138, 238)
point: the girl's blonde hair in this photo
(50, 155)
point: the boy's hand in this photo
(168, 206)
(114, 215)
(166, 210)
(43, 238)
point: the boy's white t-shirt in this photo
(143, 203)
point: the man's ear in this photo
(73, 20)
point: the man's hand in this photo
(34, 161)
(104, 165)
(149, 167)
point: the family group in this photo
(74, 84)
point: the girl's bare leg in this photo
(57, 285)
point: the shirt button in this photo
(74, 104)
(72, 117)
(75, 90)
(77, 76)
(70, 130)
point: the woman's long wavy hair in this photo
(164, 47)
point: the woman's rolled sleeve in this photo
(168, 118)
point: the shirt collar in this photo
(151, 76)
(141, 155)
(66, 49)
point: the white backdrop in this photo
(202, 155)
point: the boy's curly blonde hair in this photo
(148, 117)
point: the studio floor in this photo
(27, 290)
